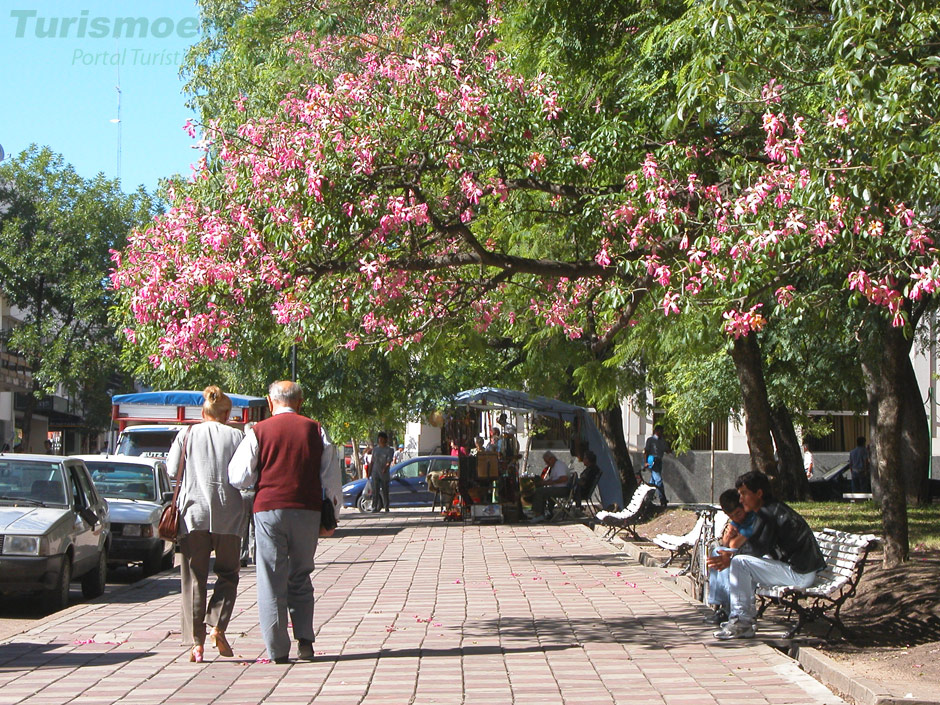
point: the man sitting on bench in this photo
(738, 530)
(780, 532)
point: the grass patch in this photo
(865, 518)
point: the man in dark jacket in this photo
(781, 551)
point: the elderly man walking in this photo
(289, 461)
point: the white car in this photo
(150, 441)
(137, 490)
(54, 528)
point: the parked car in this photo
(137, 490)
(152, 441)
(408, 486)
(54, 528)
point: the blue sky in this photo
(60, 90)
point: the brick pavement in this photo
(413, 610)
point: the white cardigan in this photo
(207, 501)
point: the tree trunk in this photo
(28, 409)
(915, 439)
(885, 378)
(793, 482)
(747, 363)
(610, 424)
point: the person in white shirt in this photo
(554, 485)
(808, 460)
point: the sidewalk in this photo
(414, 610)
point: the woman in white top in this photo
(211, 512)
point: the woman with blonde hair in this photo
(211, 512)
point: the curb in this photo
(862, 690)
(85, 606)
(826, 670)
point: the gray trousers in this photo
(380, 491)
(285, 544)
(196, 548)
(545, 493)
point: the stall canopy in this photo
(493, 398)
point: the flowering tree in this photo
(412, 179)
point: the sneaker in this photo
(719, 618)
(305, 650)
(538, 519)
(735, 629)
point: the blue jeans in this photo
(719, 587)
(286, 542)
(656, 479)
(747, 572)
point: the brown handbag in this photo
(169, 526)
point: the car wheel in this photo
(169, 560)
(364, 504)
(151, 564)
(57, 598)
(93, 583)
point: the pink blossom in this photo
(669, 303)
(537, 161)
(770, 93)
(584, 160)
(840, 120)
(784, 295)
(738, 323)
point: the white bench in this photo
(679, 546)
(845, 555)
(629, 517)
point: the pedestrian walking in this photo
(211, 512)
(290, 461)
(653, 452)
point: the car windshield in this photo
(123, 480)
(32, 481)
(154, 444)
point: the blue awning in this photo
(184, 398)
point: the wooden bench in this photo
(845, 555)
(631, 516)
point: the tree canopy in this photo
(752, 161)
(57, 232)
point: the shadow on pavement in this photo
(659, 631)
(17, 656)
(368, 531)
(446, 653)
(614, 560)
(147, 590)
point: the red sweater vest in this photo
(289, 450)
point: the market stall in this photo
(492, 483)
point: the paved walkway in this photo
(413, 610)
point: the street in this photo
(412, 609)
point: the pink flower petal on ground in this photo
(263, 660)
(457, 582)
(83, 642)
